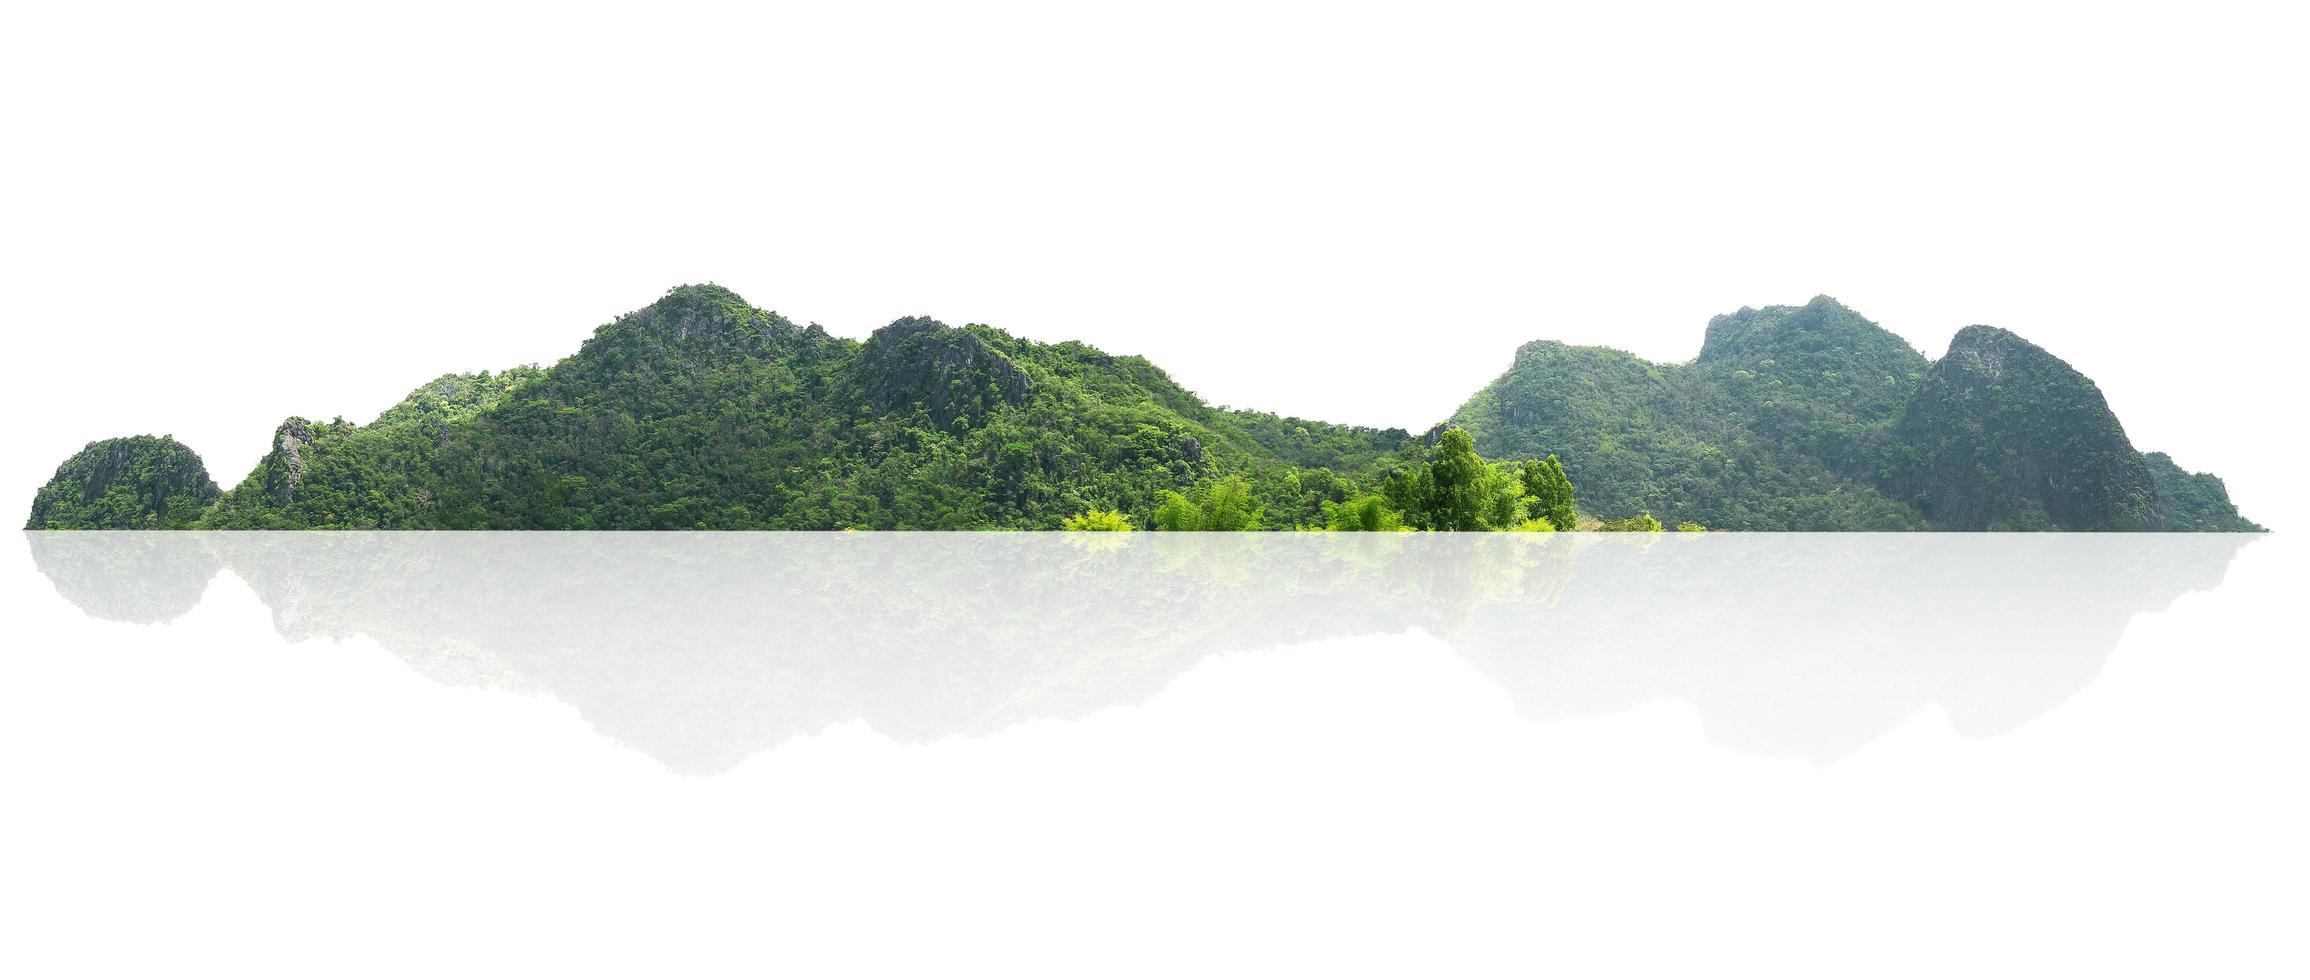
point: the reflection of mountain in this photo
(703, 649)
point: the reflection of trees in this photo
(702, 649)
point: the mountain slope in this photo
(700, 411)
(2003, 436)
(1769, 429)
(1814, 418)
(2193, 501)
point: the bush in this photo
(1098, 520)
(1366, 513)
(1641, 522)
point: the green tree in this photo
(1551, 489)
(1463, 491)
(1175, 512)
(1225, 504)
(1228, 505)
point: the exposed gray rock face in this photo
(284, 467)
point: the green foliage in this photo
(1641, 522)
(2003, 436)
(1813, 418)
(131, 483)
(2194, 501)
(1451, 488)
(1369, 512)
(1098, 520)
(1771, 428)
(1688, 527)
(1551, 490)
(1539, 525)
(1320, 445)
(1174, 512)
(1226, 504)
(702, 412)
(1459, 497)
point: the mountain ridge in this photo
(700, 410)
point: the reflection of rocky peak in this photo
(704, 649)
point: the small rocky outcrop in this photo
(131, 483)
(949, 373)
(284, 467)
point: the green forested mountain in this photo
(2004, 436)
(1814, 418)
(1763, 431)
(136, 483)
(2193, 501)
(700, 411)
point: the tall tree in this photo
(1228, 505)
(1462, 492)
(1551, 489)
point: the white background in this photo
(213, 217)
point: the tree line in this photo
(1445, 487)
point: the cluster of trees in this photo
(1454, 489)
(1443, 487)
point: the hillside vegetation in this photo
(1813, 418)
(700, 411)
